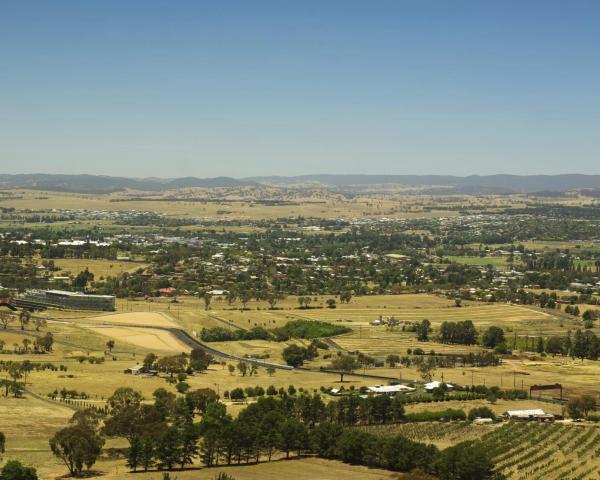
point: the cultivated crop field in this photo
(521, 450)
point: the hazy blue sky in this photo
(238, 88)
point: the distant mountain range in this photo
(443, 184)
(471, 184)
(106, 184)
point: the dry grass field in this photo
(100, 268)
(239, 205)
(152, 339)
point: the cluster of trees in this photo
(15, 470)
(295, 355)
(17, 371)
(165, 434)
(292, 329)
(220, 334)
(463, 333)
(583, 344)
(308, 329)
(480, 359)
(580, 407)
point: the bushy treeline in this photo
(584, 344)
(479, 359)
(220, 334)
(294, 329)
(167, 435)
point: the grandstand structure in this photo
(41, 299)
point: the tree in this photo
(77, 446)
(231, 369)
(554, 345)
(207, 299)
(304, 301)
(147, 443)
(245, 297)
(2, 444)
(134, 454)
(149, 361)
(15, 372)
(82, 279)
(168, 448)
(423, 330)
(579, 346)
(353, 444)
(464, 461)
(24, 318)
(426, 369)
(198, 400)
(293, 435)
(331, 303)
(39, 324)
(14, 470)
(44, 344)
(493, 337)
(272, 299)
(237, 394)
(344, 364)
(346, 296)
(579, 407)
(392, 360)
(243, 368)
(213, 424)
(6, 319)
(110, 345)
(129, 417)
(539, 348)
(200, 360)
(481, 412)
(294, 355)
(173, 364)
(189, 435)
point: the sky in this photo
(250, 87)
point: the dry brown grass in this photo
(100, 268)
(152, 339)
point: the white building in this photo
(435, 384)
(390, 389)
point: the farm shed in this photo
(536, 414)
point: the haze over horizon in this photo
(240, 89)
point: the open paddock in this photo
(99, 267)
(152, 339)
